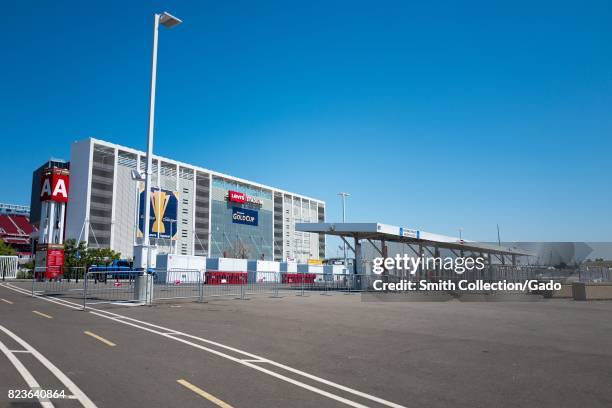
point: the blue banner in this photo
(164, 211)
(244, 216)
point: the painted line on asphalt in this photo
(6, 301)
(24, 372)
(203, 394)
(100, 338)
(76, 391)
(123, 320)
(42, 314)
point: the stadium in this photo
(16, 228)
(197, 211)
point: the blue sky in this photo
(434, 116)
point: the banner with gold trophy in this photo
(164, 211)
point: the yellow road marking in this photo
(42, 314)
(6, 301)
(203, 394)
(102, 339)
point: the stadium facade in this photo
(197, 211)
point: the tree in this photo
(5, 249)
(75, 255)
(101, 256)
(82, 256)
(240, 250)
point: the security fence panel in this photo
(595, 274)
(224, 284)
(177, 284)
(110, 286)
(66, 282)
(8, 267)
(259, 283)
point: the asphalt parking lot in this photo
(312, 351)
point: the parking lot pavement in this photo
(409, 353)
(133, 364)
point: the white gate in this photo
(8, 267)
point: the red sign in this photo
(54, 185)
(55, 258)
(242, 198)
(55, 263)
(236, 197)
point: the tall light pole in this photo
(344, 195)
(169, 21)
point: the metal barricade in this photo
(65, 282)
(177, 284)
(229, 284)
(109, 286)
(8, 267)
(323, 283)
(262, 283)
(595, 274)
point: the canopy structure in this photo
(427, 241)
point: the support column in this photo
(421, 256)
(359, 279)
(384, 251)
(62, 218)
(51, 221)
(437, 256)
(358, 267)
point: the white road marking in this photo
(25, 373)
(76, 391)
(123, 320)
(6, 301)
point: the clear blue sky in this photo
(434, 116)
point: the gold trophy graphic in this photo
(159, 199)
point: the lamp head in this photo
(168, 20)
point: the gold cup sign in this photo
(159, 200)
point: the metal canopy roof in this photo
(392, 233)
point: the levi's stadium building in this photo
(194, 211)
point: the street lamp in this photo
(169, 21)
(344, 195)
